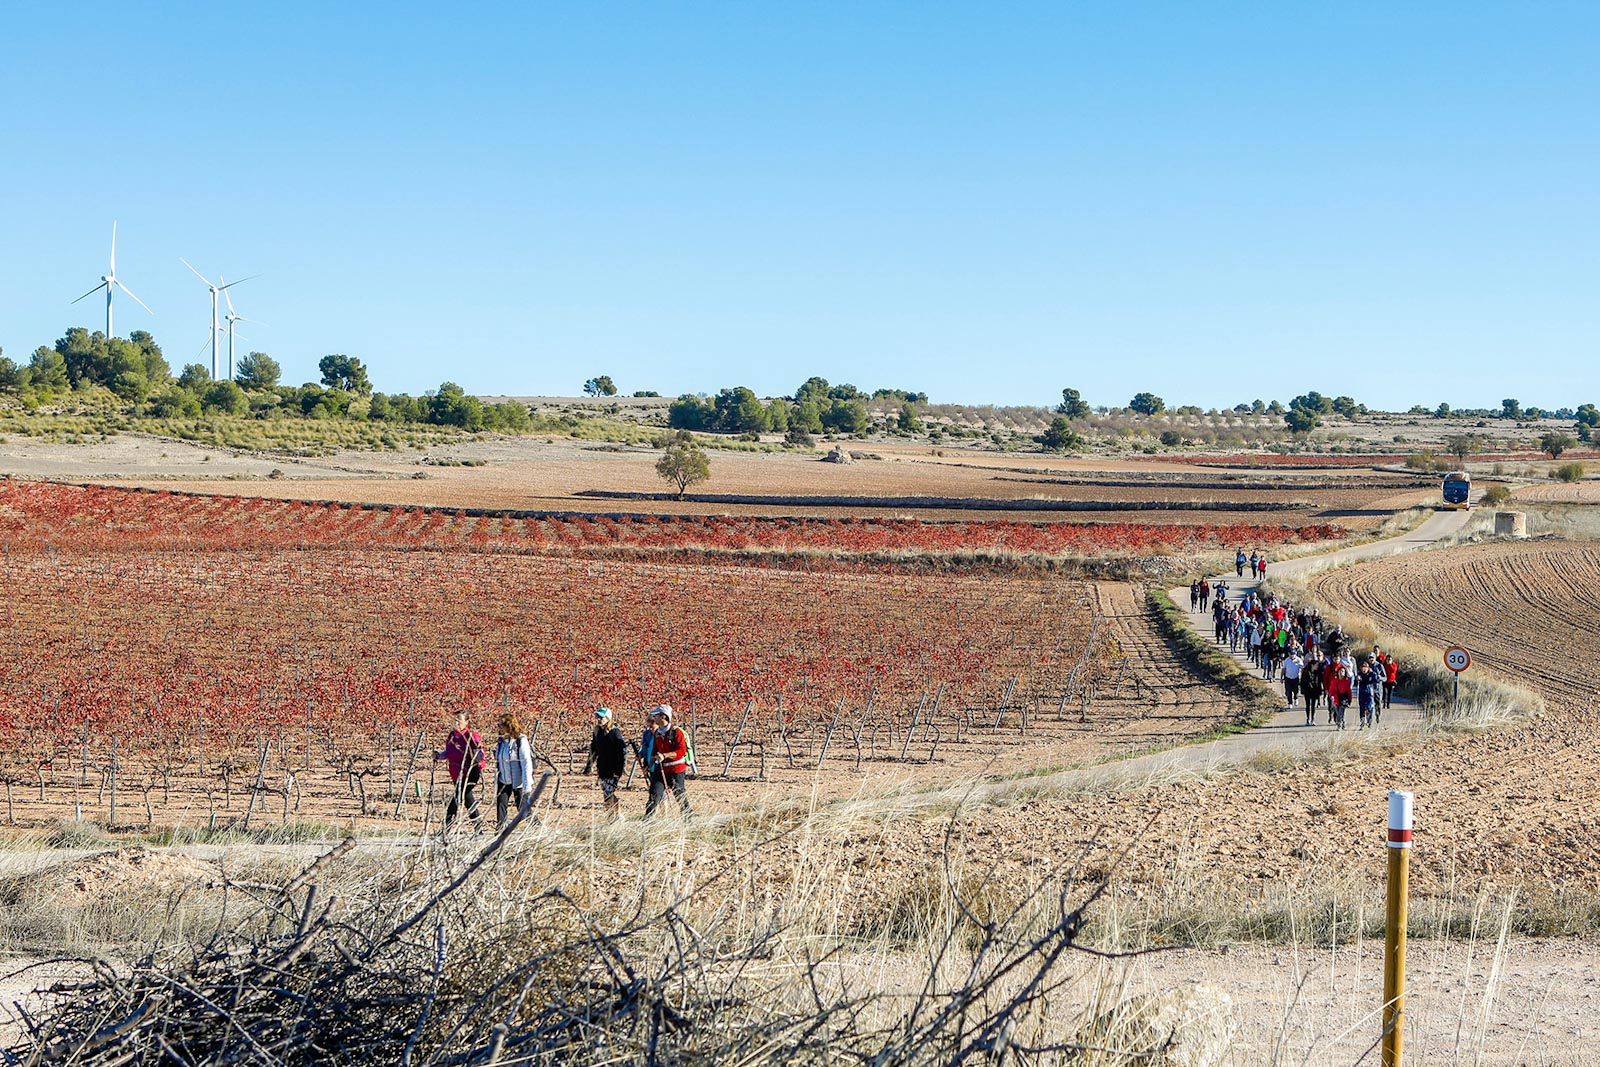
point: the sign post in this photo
(1457, 659)
(1394, 940)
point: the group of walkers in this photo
(1315, 662)
(467, 760)
(662, 753)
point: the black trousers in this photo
(660, 782)
(507, 797)
(464, 793)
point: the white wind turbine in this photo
(109, 282)
(233, 317)
(216, 328)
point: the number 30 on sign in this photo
(1457, 659)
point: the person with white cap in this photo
(666, 755)
(608, 756)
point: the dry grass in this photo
(443, 956)
(699, 943)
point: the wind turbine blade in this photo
(197, 274)
(241, 281)
(136, 300)
(91, 292)
(113, 246)
(225, 295)
(258, 322)
(203, 346)
(242, 337)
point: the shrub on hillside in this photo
(1568, 472)
(1496, 495)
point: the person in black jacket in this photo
(608, 757)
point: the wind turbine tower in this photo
(109, 283)
(216, 328)
(233, 317)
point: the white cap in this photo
(664, 710)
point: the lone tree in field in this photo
(1060, 437)
(1463, 445)
(683, 462)
(1555, 442)
(601, 385)
(1147, 404)
(1072, 405)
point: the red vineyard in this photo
(171, 642)
(37, 515)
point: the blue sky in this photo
(986, 201)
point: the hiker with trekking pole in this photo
(664, 754)
(464, 755)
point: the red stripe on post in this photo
(1396, 836)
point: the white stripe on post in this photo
(1399, 819)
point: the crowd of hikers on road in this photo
(1315, 661)
(662, 753)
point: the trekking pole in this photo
(1394, 941)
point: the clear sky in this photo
(984, 201)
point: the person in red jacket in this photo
(1391, 678)
(669, 761)
(1338, 687)
(463, 753)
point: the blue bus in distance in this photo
(1458, 490)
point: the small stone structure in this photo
(838, 455)
(1510, 524)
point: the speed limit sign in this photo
(1457, 659)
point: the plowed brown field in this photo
(1561, 493)
(1528, 610)
(530, 474)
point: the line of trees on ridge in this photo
(135, 370)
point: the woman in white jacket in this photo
(513, 769)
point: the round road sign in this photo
(1457, 658)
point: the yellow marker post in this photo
(1394, 941)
